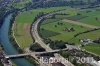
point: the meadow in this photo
(93, 17)
(49, 28)
(94, 48)
(72, 15)
(23, 22)
(87, 16)
(91, 35)
(63, 35)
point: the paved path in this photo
(81, 24)
(39, 40)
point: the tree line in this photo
(86, 32)
(55, 3)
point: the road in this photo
(37, 37)
(81, 24)
(28, 52)
(39, 40)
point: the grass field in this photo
(46, 33)
(22, 34)
(91, 35)
(23, 22)
(73, 16)
(28, 16)
(49, 30)
(88, 16)
(94, 48)
(63, 35)
(49, 24)
(93, 18)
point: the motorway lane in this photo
(38, 39)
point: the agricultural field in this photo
(85, 16)
(62, 34)
(49, 28)
(72, 15)
(88, 16)
(94, 48)
(23, 22)
(93, 18)
(91, 35)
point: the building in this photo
(70, 47)
(86, 41)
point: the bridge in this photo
(31, 53)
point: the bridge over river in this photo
(31, 53)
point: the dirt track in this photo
(81, 24)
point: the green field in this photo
(49, 28)
(28, 16)
(46, 33)
(88, 16)
(72, 15)
(91, 35)
(93, 18)
(94, 48)
(63, 35)
(49, 25)
(23, 22)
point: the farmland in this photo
(84, 16)
(88, 16)
(72, 15)
(91, 35)
(33, 29)
(94, 48)
(63, 35)
(49, 28)
(23, 22)
(93, 18)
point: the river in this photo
(8, 47)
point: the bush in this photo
(57, 44)
(64, 53)
(36, 47)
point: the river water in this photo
(8, 47)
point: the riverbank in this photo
(1, 63)
(15, 43)
(11, 35)
(8, 47)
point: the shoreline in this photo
(17, 47)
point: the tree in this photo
(57, 44)
(36, 47)
(53, 16)
(55, 25)
(64, 53)
(96, 18)
(74, 62)
(58, 23)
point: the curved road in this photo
(39, 40)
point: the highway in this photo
(39, 40)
